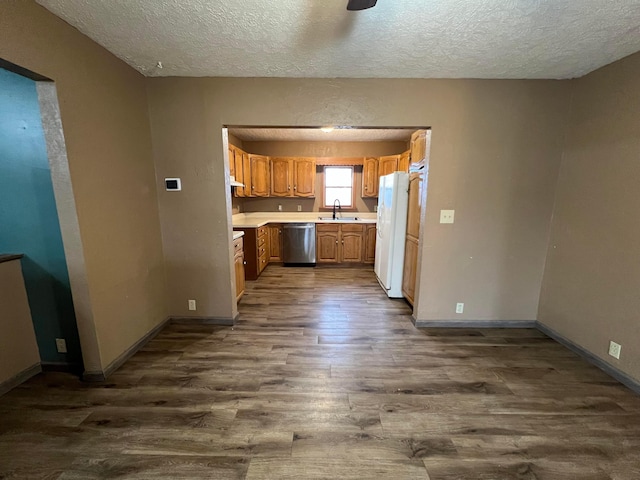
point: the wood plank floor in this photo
(323, 378)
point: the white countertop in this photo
(258, 219)
(237, 235)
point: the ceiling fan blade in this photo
(354, 5)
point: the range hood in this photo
(234, 182)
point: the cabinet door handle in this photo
(289, 187)
(336, 242)
(294, 187)
(343, 242)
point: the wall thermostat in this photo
(172, 184)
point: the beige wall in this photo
(18, 347)
(590, 293)
(104, 115)
(496, 148)
(318, 149)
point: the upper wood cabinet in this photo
(281, 177)
(370, 178)
(238, 167)
(304, 177)
(388, 164)
(413, 213)
(403, 162)
(293, 177)
(232, 160)
(418, 147)
(260, 177)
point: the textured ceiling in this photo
(395, 39)
(316, 135)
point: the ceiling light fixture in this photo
(327, 129)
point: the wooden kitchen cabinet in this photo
(236, 159)
(304, 177)
(232, 161)
(388, 164)
(256, 251)
(370, 243)
(340, 243)
(327, 243)
(293, 177)
(404, 161)
(281, 177)
(410, 269)
(275, 242)
(412, 237)
(351, 248)
(370, 177)
(418, 147)
(260, 175)
(238, 261)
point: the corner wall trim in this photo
(100, 376)
(591, 358)
(474, 323)
(224, 321)
(20, 378)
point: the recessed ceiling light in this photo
(327, 129)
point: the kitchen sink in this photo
(340, 219)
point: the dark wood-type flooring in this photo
(324, 377)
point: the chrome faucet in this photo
(334, 208)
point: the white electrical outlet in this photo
(299, 208)
(446, 216)
(279, 208)
(192, 304)
(459, 307)
(375, 208)
(61, 345)
(615, 349)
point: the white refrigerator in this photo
(393, 199)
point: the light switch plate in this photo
(61, 345)
(446, 216)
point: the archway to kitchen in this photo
(283, 178)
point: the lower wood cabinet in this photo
(275, 242)
(370, 243)
(238, 261)
(410, 269)
(256, 251)
(345, 243)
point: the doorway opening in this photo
(323, 175)
(38, 216)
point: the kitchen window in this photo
(338, 185)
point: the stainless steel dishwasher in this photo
(299, 243)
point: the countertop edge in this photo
(262, 223)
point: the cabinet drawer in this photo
(262, 261)
(352, 227)
(261, 241)
(237, 245)
(327, 227)
(262, 251)
(262, 231)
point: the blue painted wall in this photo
(29, 220)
